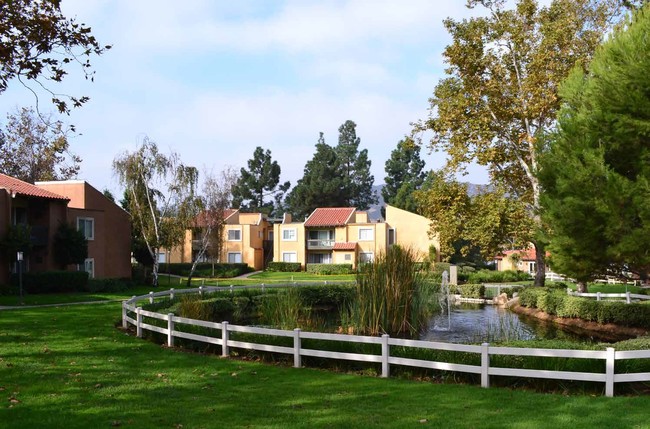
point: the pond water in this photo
(476, 323)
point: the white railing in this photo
(610, 355)
(627, 296)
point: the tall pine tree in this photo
(355, 169)
(404, 175)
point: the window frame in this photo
(372, 234)
(295, 256)
(91, 220)
(237, 230)
(295, 234)
(235, 253)
(364, 261)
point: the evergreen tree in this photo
(596, 174)
(259, 182)
(321, 184)
(404, 175)
(354, 169)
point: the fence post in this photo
(609, 372)
(297, 361)
(385, 354)
(224, 339)
(171, 293)
(231, 289)
(597, 296)
(170, 328)
(628, 299)
(151, 297)
(202, 282)
(180, 281)
(201, 291)
(485, 365)
(138, 323)
(124, 324)
(262, 287)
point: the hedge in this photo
(284, 267)
(559, 303)
(328, 269)
(204, 269)
(53, 281)
(471, 290)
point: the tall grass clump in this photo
(286, 310)
(392, 295)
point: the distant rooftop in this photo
(330, 216)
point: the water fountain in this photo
(444, 299)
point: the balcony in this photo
(320, 244)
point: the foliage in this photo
(470, 290)
(355, 169)
(53, 281)
(286, 267)
(69, 245)
(392, 296)
(36, 148)
(597, 171)
(162, 197)
(500, 95)
(471, 228)
(37, 43)
(18, 239)
(328, 269)
(404, 175)
(557, 302)
(259, 181)
(489, 276)
(336, 296)
(109, 285)
(206, 269)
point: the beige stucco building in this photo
(343, 235)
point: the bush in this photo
(331, 295)
(53, 281)
(284, 267)
(204, 269)
(329, 269)
(109, 285)
(471, 290)
(488, 276)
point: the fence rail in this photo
(627, 296)
(610, 355)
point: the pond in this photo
(476, 323)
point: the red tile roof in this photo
(330, 216)
(524, 255)
(345, 246)
(27, 189)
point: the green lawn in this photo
(63, 298)
(69, 367)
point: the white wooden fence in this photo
(610, 355)
(627, 296)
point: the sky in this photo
(212, 79)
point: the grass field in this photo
(70, 367)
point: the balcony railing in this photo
(320, 244)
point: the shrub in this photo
(329, 269)
(331, 295)
(284, 267)
(53, 281)
(488, 276)
(108, 285)
(204, 269)
(471, 290)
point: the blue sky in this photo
(211, 80)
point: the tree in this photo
(404, 175)
(260, 181)
(500, 95)
(69, 246)
(321, 184)
(162, 196)
(38, 43)
(596, 173)
(355, 169)
(479, 225)
(209, 222)
(33, 149)
(17, 239)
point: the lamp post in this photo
(19, 258)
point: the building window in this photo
(289, 234)
(532, 267)
(391, 236)
(87, 226)
(89, 267)
(365, 257)
(234, 235)
(320, 258)
(162, 257)
(366, 234)
(348, 257)
(234, 258)
(289, 257)
(270, 235)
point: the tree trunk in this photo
(581, 287)
(154, 272)
(540, 262)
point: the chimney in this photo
(286, 218)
